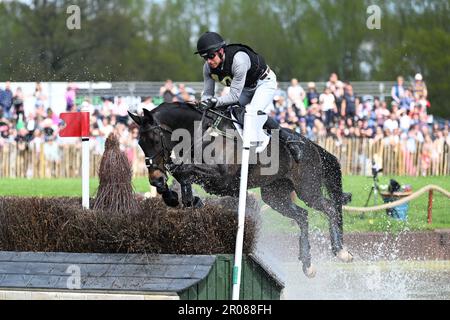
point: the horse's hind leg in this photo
(327, 206)
(278, 197)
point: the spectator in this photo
(40, 96)
(405, 122)
(18, 101)
(379, 135)
(419, 87)
(328, 105)
(107, 106)
(53, 117)
(71, 97)
(279, 103)
(51, 152)
(146, 104)
(6, 99)
(169, 91)
(296, 96)
(121, 111)
(312, 95)
(348, 109)
(334, 83)
(367, 131)
(382, 113)
(407, 101)
(391, 124)
(359, 107)
(337, 88)
(398, 90)
(105, 127)
(185, 94)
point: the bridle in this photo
(167, 164)
(150, 161)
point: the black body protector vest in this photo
(223, 73)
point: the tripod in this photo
(375, 189)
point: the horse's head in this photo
(152, 142)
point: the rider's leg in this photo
(289, 138)
(263, 95)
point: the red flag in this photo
(76, 124)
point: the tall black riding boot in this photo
(288, 138)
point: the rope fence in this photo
(429, 188)
(401, 201)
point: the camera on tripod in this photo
(375, 189)
(375, 169)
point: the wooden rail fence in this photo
(50, 160)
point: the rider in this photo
(252, 83)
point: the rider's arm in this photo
(208, 83)
(241, 64)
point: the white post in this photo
(85, 171)
(85, 168)
(241, 210)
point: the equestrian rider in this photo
(252, 83)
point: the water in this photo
(377, 279)
(382, 280)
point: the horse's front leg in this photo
(187, 197)
(169, 197)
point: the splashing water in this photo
(382, 277)
(394, 280)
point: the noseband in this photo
(150, 161)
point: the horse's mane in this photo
(170, 105)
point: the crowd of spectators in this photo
(334, 110)
(29, 121)
(339, 112)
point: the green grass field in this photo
(357, 185)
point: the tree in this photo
(155, 40)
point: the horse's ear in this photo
(135, 118)
(148, 116)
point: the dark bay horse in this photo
(316, 179)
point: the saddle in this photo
(287, 137)
(238, 113)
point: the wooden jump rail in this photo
(406, 199)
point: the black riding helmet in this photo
(209, 42)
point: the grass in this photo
(359, 187)
(70, 187)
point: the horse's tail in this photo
(332, 178)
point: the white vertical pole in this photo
(85, 168)
(85, 172)
(241, 211)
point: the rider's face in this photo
(215, 61)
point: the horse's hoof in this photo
(170, 198)
(310, 271)
(196, 203)
(344, 255)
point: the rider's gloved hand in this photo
(208, 103)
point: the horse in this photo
(316, 179)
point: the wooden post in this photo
(430, 206)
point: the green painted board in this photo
(256, 282)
